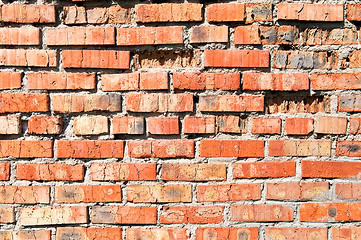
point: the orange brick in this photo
(157, 233)
(266, 125)
(299, 148)
(228, 192)
(231, 148)
(7, 215)
(247, 35)
(26, 235)
(348, 148)
(297, 190)
(331, 125)
(89, 233)
(120, 82)
(353, 13)
(124, 215)
(28, 57)
(45, 125)
(123, 171)
(91, 125)
(355, 125)
(193, 172)
(28, 13)
(354, 59)
(226, 233)
(296, 233)
(4, 171)
(192, 215)
(269, 169)
(26, 148)
(74, 15)
(20, 36)
(128, 125)
(348, 190)
(24, 194)
(23, 102)
(231, 124)
(310, 12)
(346, 232)
(199, 124)
(10, 80)
(298, 126)
(226, 12)
(10, 125)
(112, 14)
(209, 34)
(161, 148)
(153, 81)
(335, 81)
(236, 58)
(149, 36)
(330, 169)
(159, 193)
(231, 103)
(163, 125)
(85, 193)
(261, 213)
(349, 103)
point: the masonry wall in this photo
(180, 120)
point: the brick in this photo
(298, 126)
(228, 192)
(310, 12)
(231, 148)
(294, 233)
(50, 172)
(95, 59)
(345, 232)
(112, 14)
(305, 60)
(61, 81)
(123, 171)
(226, 12)
(28, 58)
(45, 125)
(159, 193)
(330, 169)
(231, 103)
(159, 102)
(20, 36)
(335, 81)
(206, 81)
(72, 103)
(261, 213)
(93, 233)
(338, 36)
(149, 36)
(193, 172)
(269, 169)
(258, 12)
(28, 13)
(192, 215)
(355, 125)
(24, 194)
(128, 125)
(297, 190)
(29, 235)
(231, 124)
(247, 35)
(4, 171)
(157, 233)
(7, 215)
(153, 81)
(74, 15)
(23, 102)
(226, 233)
(299, 148)
(168, 12)
(26, 148)
(330, 212)
(90, 148)
(354, 59)
(124, 215)
(348, 190)
(298, 104)
(10, 80)
(163, 125)
(10, 125)
(91, 125)
(349, 103)
(85, 193)
(275, 81)
(236, 58)
(331, 125)
(348, 148)
(266, 125)
(209, 34)
(53, 215)
(353, 12)
(161, 148)
(199, 124)
(174, 59)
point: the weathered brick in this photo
(217, 233)
(331, 125)
(28, 13)
(269, 169)
(4, 171)
(20, 36)
(330, 169)
(161, 148)
(348, 148)
(157, 233)
(123, 171)
(349, 103)
(112, 14)
(353, 13)
(335, 81)
(310, 12)
(128, 125)
(228, 192)
(23, 102)
(193, 172)
(354, 59)
(163, 125)
(231, 124)
(266, 125)
(261, 213)
(86, 193)
(298, 104)
(28, 58)
(296, 233)
(355, 125)
(299, 148)
(298, 126)
(26, 148)
(192, 215)
(91, 125)
(26, 235)
(199, 124)
(10, 80)
(149, 36)
(231, 103)
(153, 81)
(24, 194)
(348, 190)
(236, 58)
(346, 232)
(209, 34)
(247, 35)
(10, 125)
(7, 215)
(45, 125)
(258, 12)
(231, 148)
(338, 36)
(226, 12)
(159, 193)
(124, 215)
(93, 233)
(297, 190)
(74, 15)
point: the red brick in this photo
(157, 233)
(226, 233)
(297, 190)
(348, 190)
(10, 125)
(91, 125)
(161, 148)
(330, 212)
(192, 215)
(85, 193)
(266, 125)
(228, 192)
(124, 215)
(236, 58)
(298, 104)
(159, 193)
(28, 58)
(45, 125)
(149, 36)
(354, 12)
(112, 14)
(269, 169)
(330, 169)
(206, 81)
(259, 12)
(53, 215)
(4, 171)
(93, 233)
(24, 194)
(95, 59)
(128, 125)
(199, 124)
(310, 12)
(231, 148)
(23, 102)
(226, 12)
(299, 148)
(231, 103)
(247, 35)
(168, 12)
(10, 80)
(163, 125)
(209, 34)
(72, 103)
(20, 36)
(159, 102)
(346, 232)
(338, 36)
(7, 215)
(26, 149)
(90, 148)
(296, 233)
(74, 15)
(50, 172)
(355, 125)
(193, 172)
(335, 81)
(61, 81)
(331, 125)
(231, 124)
(123, 171)
(26, 235)
(298, 126)
(153, 81)
(348, 148)
(261, 213)
(349, 103)
(354, 59)
(28, 13)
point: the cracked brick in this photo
(88, 193)
(123, 171)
